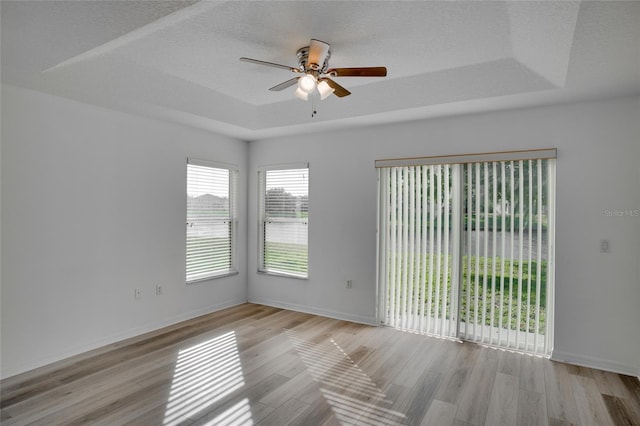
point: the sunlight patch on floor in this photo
(204, 374)
(352, 395)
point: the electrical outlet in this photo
(349, 283)
(137, 293)
(158, 289)
(604, 246)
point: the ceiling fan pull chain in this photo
(313, 106)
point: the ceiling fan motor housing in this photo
(303, 56)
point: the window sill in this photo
(284, 275)
(213, 277)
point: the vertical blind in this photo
(210, 221)
(419, 248)
(285, 221)
(507, 289)
(465, 249)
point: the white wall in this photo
(93, 205)
(597, 295)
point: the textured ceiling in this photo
(178, 60)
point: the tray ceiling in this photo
(178, 60)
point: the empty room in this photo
(320, 212)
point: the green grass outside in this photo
(502, 291)
(283, 257)
(277, 256)
(495, 223)
(195, 243)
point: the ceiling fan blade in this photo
(339, 91)
(270, 64)
(284, 85)
(318, 51)
(358, 72)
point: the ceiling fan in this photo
(313, 65)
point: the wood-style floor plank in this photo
(561, 404)
(532, 409)
(439, 413)
(532, 374)
(285, 413)
(591, 407)
(578, 370)
(455, 378)
(503, 404)
(621, 411)
(474, 401)
(421, 397)
(510, 363)
(260, 365)
(558, 422)
(611, 384)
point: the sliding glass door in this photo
(505, 297)
(420, 248)
(465, 249)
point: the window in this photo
(211, 220)
(466, 247)
(284, 206)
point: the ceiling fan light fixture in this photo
(324, 89)
(313, 72)
(303, 96)
(307, 84)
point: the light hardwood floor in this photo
(253, 364)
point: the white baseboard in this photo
(36, 362)
(315, 311)
(597, 363)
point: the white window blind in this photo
(284, 200)
(507, 293)
(466, 249)
(419, 248)
(210, 220)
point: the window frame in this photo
(262, 219)
(232, 218)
